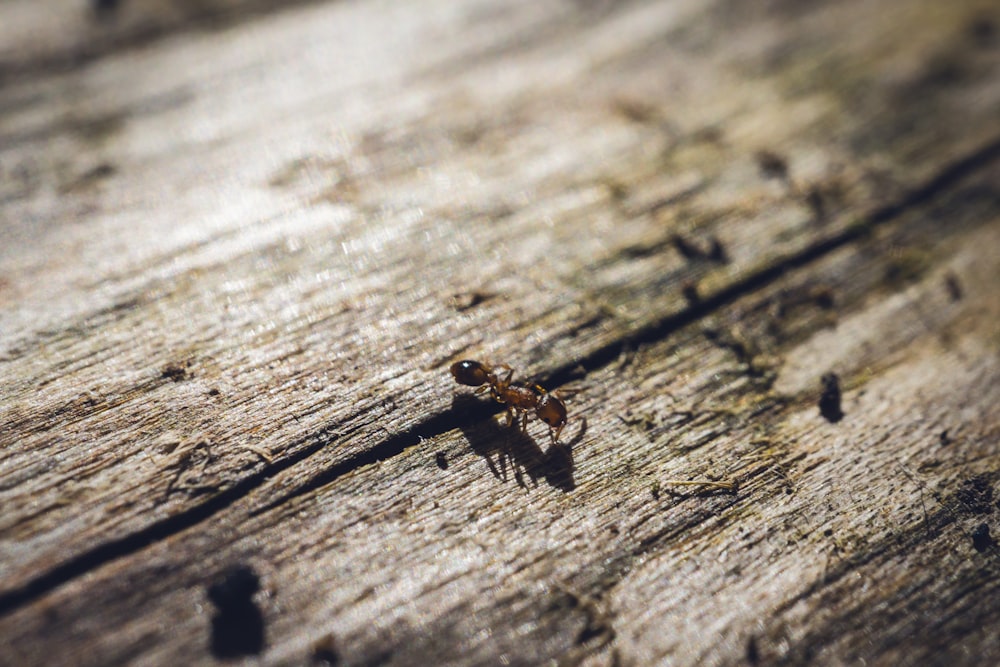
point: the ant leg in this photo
(508, 377)
(524, 422)
(554, 432)
(510, 416)
(562, 393)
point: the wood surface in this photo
(242, 241)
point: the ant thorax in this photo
(519, 397)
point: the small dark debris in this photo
(710, 134)
(617, 191)
(238, 625)
(655, 490)
(772, 165)
(105, 8)
(102, 170)
(716, 251)
(753, 653)
(824, 298)
(468, 300)
(87, 400)
(983, 31)
(828, 532)
(816, 203)
(690, 291)
(214, 392)
(174, 372)
(686, 248)
(637, 111)
(442, 460)
(981, 539)
(324, 652)
(640, 250)
(829, 400)
(944, 68)
(93, 175)
(975, 495)
(953, 286)
(944, 439)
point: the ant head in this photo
(551, 410)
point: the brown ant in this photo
(518, 397)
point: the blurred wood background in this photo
(242, 241)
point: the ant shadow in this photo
(517, 450)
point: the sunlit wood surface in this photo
(241, 242)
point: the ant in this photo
(520, 398)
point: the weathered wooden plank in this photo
(403, 560)
(293, 282)
(216, 346)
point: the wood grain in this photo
(238, 261)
